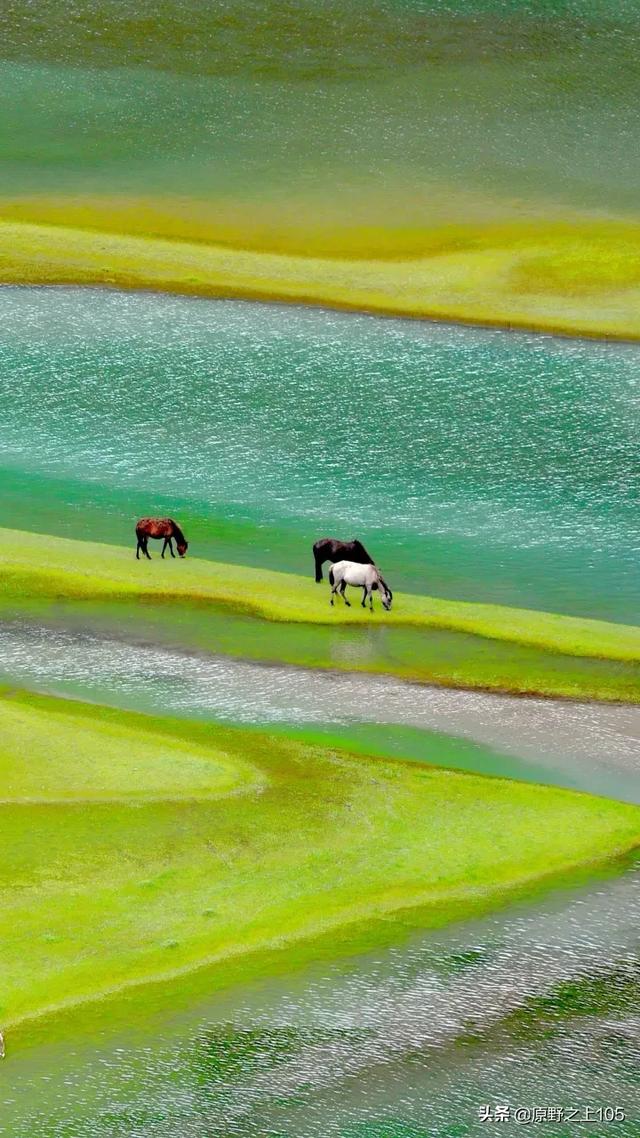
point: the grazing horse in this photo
(365, 577)
(330, 549)
(159, 528)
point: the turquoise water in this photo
(473, 463)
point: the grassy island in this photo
(136, 849)
(260, 614)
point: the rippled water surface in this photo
(533, 1007)
(530, 1007)
(589, 746)
(269, 119)
(406, 1043)
(476, 463)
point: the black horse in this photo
(330, 549)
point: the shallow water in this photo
(588, 746)
(473, 463)
(478, 464)
(408, 1042)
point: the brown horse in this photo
(159, 528)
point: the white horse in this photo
(365, 577)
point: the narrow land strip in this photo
(577, 278)
(56, 567)
(257, 614)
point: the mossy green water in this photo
(411, 744)
(114, 886)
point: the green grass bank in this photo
(139, 849)
(578, 277)
(280, 617)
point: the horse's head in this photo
(386, 596)
(182, 547)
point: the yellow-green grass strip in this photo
(578, 277)
(107, 761)
(102, 895)
(60, 568)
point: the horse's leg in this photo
(164, 546)
(343, 594)
(371, 598)
(364, 595)
(138, 550)
(335, 590)
(171, 548)
(145, 549)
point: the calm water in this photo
(474, 463)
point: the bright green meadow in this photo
(211, 842)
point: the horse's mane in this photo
(384, 583)
(177, 531)
(357, 545)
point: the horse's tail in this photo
(332, 579)
(319, 548)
